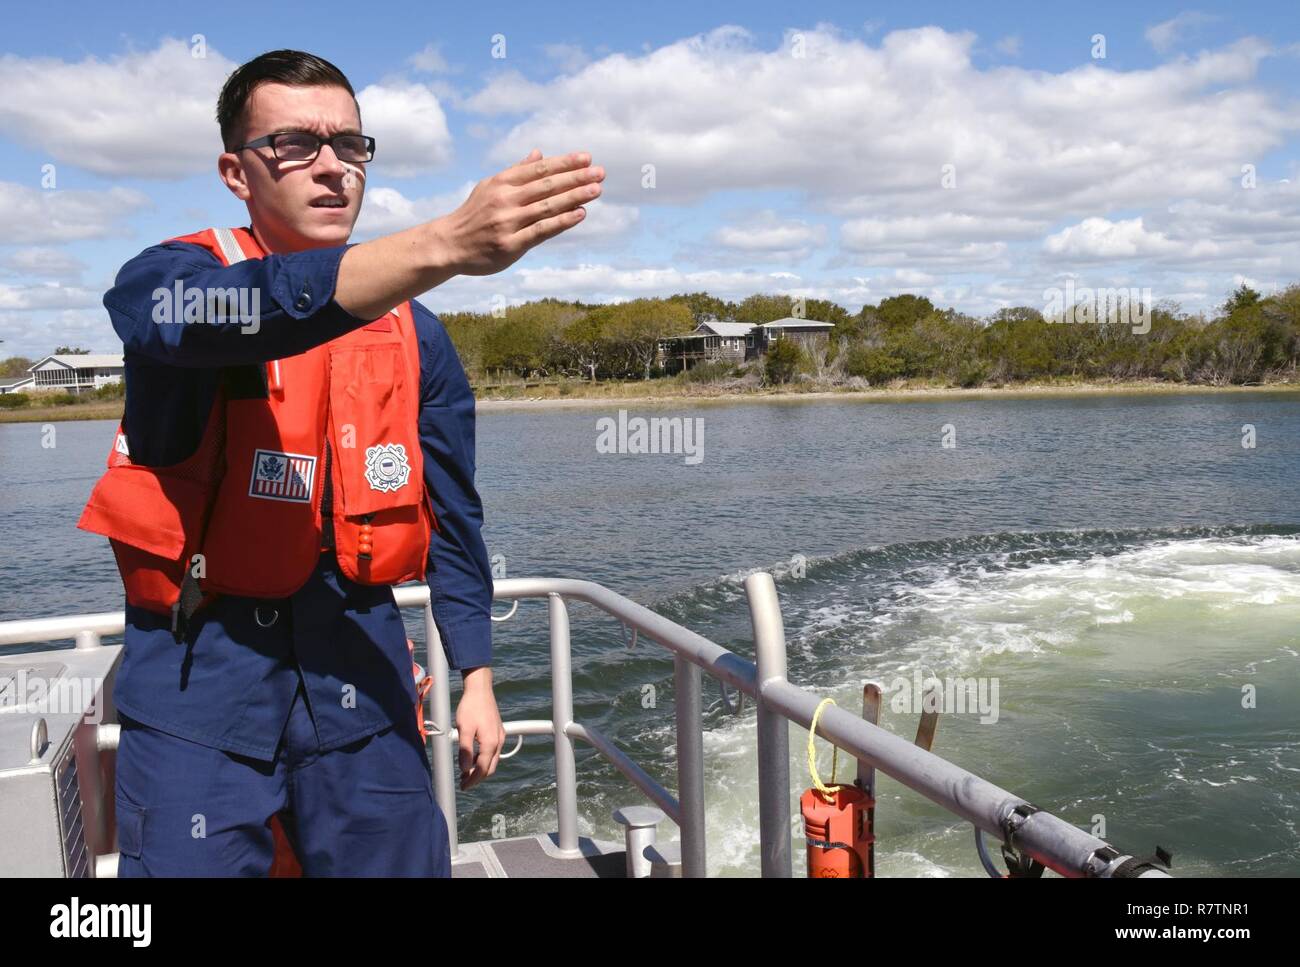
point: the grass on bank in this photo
(104, 403)
(715, 382)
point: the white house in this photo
(73, 373)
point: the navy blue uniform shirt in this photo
(230, 684)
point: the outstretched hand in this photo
(518, 208)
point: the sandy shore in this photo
(488, 404)
(611, 398)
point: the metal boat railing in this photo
(1037, 834)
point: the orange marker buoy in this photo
(836, 820)
(837, 831)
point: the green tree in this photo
(903, 310)
(1243, 297)
(760, 308)
(783, 358)
(635, 328)
(584, 343)
(702, 305)
(15, 366)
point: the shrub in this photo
(783, 358)
(707, 372)
(874, 365)
(971, 373)
(13, 401)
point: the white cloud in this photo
(429, 60)
(567, 57)
(909, 278)
(409, 128)
(598, 282)
(37, 336)
(1113, 163)
(1100, 238)
(42, 262)
(35, 216)
(768, 234)
(603, 221)
(1136, 170)
(874, 234)
(866, 130)
(1009, 45)
(108, 117)
(385, 210)
(46, 296)
(1166, 34)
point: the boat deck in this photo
(537, 856)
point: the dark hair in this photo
(293, 67)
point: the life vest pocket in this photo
(378, 548)
(378, 465)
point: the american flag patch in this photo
(282, 476)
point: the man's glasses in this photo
(303, 146)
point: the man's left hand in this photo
(477, 720)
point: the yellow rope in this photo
(827, 792)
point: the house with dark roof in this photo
(15, 384)
(714, 341)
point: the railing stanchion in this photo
(773, 728)
(690, 764)
(439, 710)
(566, 770)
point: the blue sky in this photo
(796, 148)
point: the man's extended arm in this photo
(310, 297)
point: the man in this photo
(280, 465)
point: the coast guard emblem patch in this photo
(387, 467)
(282, 476)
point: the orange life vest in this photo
(243, 514)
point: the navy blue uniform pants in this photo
(364, 809)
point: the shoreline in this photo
(888, 395)
(901, 394)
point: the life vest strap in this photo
(191, 598)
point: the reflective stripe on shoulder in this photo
(229, 245)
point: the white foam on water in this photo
(961, 618)
(957, 619)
